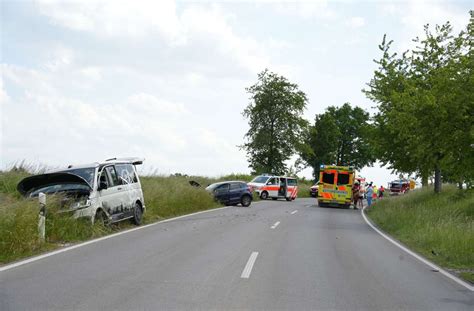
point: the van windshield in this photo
(260, 179)
(86, 173)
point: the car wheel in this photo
(137, 214)
(264, 195)
(100, 218)
(246, 200)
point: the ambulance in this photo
(275, 187)
(335, 185)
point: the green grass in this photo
(438, 226)
(165, 197)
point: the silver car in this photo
(108, 191)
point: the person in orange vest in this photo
(381, 191)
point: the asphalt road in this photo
(313, 259)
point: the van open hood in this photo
(34, 182)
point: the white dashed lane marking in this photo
(249, 266)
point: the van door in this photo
(283, 191)
(273, 186)
(328, 186)
(130, 187)
(111, 198)
(343, 192)
(292, 188)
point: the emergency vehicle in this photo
(275, 187)
(335, 185)
(400, 186)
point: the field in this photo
(438, 226)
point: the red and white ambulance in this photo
(275, 187)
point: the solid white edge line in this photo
(249, 266)
(294, 212)
(66, 249)
(424, 260)
(275, 225)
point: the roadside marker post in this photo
(42, 216)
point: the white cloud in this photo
(92, 73)
(114, 18)
(356, 22)
(306, 9)
(413, 15)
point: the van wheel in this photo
(288, 199)
(137, 214)
(246, 200)
(264, 195)
(100, 218)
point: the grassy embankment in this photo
(438, 226)
(165, 197)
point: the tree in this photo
(339, 136)
(275, 120)
(424, 98)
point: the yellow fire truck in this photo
(335, 185)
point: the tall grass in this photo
(439, 226)
(165, 197)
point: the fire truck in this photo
(400, 186)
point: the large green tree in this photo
(425, 118)
(276, 124)
(338, 136)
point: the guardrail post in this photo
(42, 216)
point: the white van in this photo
(108, 192)
(275, 187)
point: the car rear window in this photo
(328, 178)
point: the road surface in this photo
(273, 255)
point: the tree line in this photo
(423, 124)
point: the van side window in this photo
(342, 179)
(126, 174)
(328, 178)
(112, 176)
(273, 181)
(292, 182)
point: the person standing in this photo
(369, 193)
(355, 194)
(381, 191)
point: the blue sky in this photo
(82, 81)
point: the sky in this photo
(83, 81)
